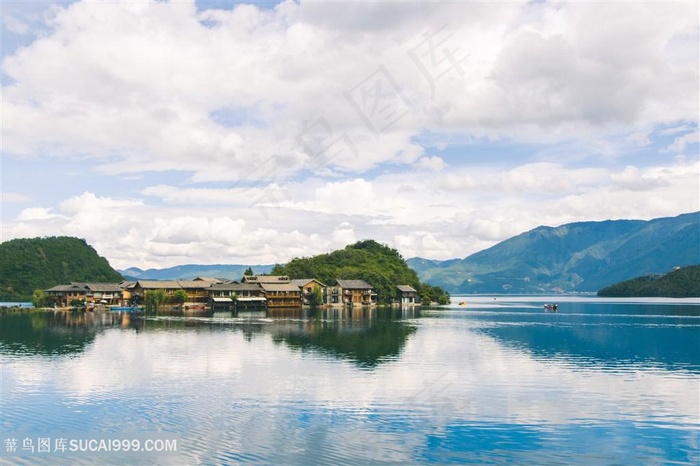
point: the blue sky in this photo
(212, 132)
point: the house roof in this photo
(235, 287)
(171, 284)
(279, 287)
(406, 289)
(200, 284)
(158, 284)
(354, 284)
(208, 279)
(266, 279)
(304, 281)
(104, 287)
(71, 287)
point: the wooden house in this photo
(63, 295)
(127, 288)
(281, 294)
(138, 289)
(104, 293)
(236, 296)
(197, 290)
(406, 295)
(308, 287)
(355, 293)
(89, 293)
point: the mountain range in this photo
(185, 272)
(575, 257)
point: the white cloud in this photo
(218, 196)
(634, 179)
(15, 198)
(681, 142)
(15, 25)
(344, 234)
(433, 163)
(142, 80)
(89, 202)
(271, 115)
(36, 213)
(429, 221)
(350, 197)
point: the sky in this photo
(175, 132)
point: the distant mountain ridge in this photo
(188, 271)
(576, 257)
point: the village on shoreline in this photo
(253, 292)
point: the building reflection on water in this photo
(366, 336)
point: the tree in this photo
(39, 298)
(153, 299)
(316, 297)
(180, 296)
(278, 269)
(433, 294)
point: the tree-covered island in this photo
(379, 265)
(683, 282)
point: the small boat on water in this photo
(126, 308)
(551, 307)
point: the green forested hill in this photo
(27, 264)
(377, 264)
(681, 283)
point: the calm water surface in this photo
(491, 381)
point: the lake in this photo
(486, 380)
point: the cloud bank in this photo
(166, 132)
